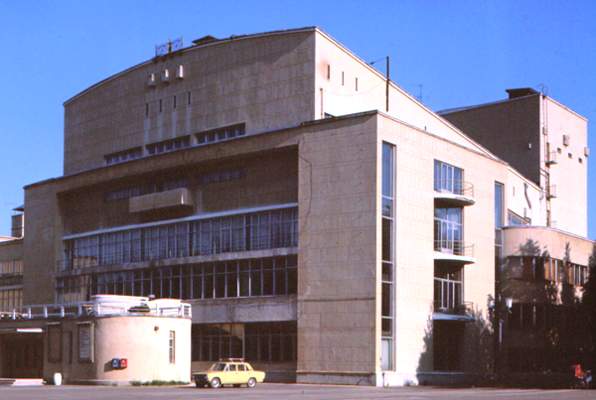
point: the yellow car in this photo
(230, 371)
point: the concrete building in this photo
(543, 264)
(321, 222)
(110, 340)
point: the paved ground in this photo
(281, 391)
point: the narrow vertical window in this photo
(172, 347)
(356, 83)
(174, 102)
(343, 78)
(160, 105)
(387, 255)
(146, 109)
(188, 97)
(328, 71)
(499, 210)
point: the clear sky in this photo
(460, 52)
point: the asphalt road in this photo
(283, 392)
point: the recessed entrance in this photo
(21, 355)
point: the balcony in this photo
(454, 193)
(455, 251)
(102, 306)
(463, 311)
(179, 198)
(551, 192)
(552, 158)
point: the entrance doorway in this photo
(21, 355)
(448, 345)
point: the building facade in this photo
(543, 265)
(321, 222)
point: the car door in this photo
(243, 373)
(230, 374)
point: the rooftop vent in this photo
(520, 92)
(204, 40)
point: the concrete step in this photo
(27, 382)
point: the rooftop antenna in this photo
(387, 79)
(169, 47)
(543, 89)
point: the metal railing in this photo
(455, 186)
(463, 308)
(552, 158)
(551, 191)
(96, 309)
(455, 247)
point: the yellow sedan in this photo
(229, 372)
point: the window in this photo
(343, 75)
(168, 145)
(122, 156)
(211, 342)
(219, 134)
(232, 279)
(514, 219)
(11, 299)
(12, 267)
(270, 341)
(448, 288)
(172, 347)
(449, 230)
(499, 205)
(160, 105)
(328, 71)
(146, 109)
(188, 98)
(174, 102)
(244, 232)
(387, 245)
(448, 178)
(356, 84)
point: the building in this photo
(110, 340)
(544, 263)
(321, 222)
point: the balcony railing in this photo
(455, 186)
(454, 247)
(463, 308)
(161, 308)
(552, 158)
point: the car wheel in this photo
(215, 383)
(252, 382)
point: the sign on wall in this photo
(86, 342)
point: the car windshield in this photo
(218, 367)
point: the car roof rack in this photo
(229, 359)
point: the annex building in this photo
(320, 221)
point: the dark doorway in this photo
(22, 355)
(447, 345)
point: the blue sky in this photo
(461, 52)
